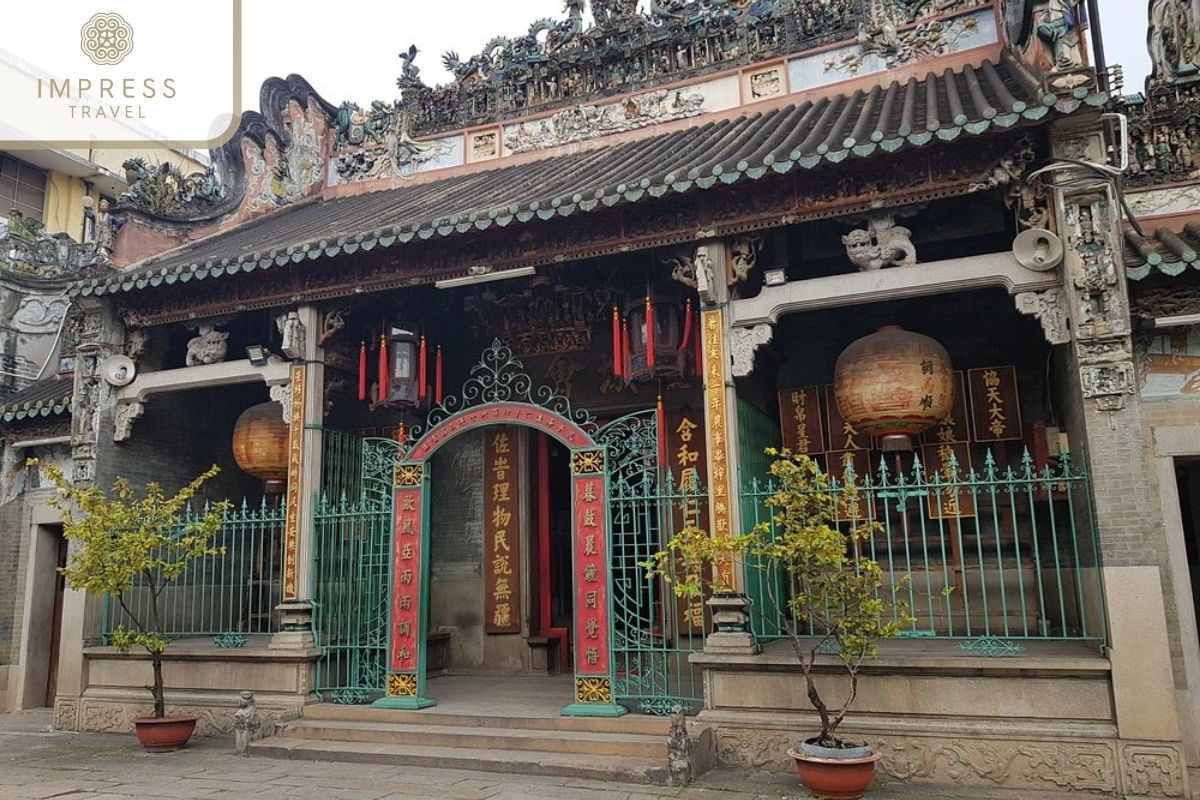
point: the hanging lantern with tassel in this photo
(402, 384)
(655, 349)
(894, 384)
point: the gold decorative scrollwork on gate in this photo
(587, 462)
(410, 474)
(593, 690)
(402, 685)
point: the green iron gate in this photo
(352, 544)
(653, 631)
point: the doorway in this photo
(1187, 482)
(44, 594)
(553, 570)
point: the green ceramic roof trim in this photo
(1162, 250)
(35, 409)
(865, 143)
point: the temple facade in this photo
(472, 356)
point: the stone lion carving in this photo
(882, 244)
(207, 348)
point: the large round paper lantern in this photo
(260, 443)
(894, 384)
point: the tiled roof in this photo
(46, 398)
(884, 119)
(1162, 250)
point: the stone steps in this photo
(628, 748)
(520, 761)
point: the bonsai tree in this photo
(123, 541)
(827, 591)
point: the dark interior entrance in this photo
(45, 618)
(552, 566)
(1187, 478)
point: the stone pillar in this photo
(720, 418)
(1105, 417)
(95, 333)
(304, 400)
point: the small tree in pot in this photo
(828, 592)
(124, 544)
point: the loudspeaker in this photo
(118, 370)
(1038, 249)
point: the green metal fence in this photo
(225, 596)
(992, 558)
(654, 633)
(352, 538)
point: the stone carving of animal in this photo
(882, 244)
(208, 347)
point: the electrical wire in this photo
(1095, 176)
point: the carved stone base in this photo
(115, 714)
(1125, 768)
(730, 643)
(296, 627)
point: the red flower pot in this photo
(836, 778)
(164, 735)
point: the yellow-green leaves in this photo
(120, 539)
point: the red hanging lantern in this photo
(616, 342)
(423, 379)
(383, 392)
(661, 421)
(362, 370)
(894, 384)
(648, 333)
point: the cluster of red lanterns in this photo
(647, 342)
(403, 370)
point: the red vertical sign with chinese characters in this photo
(406, 581)
(591, 565)
(295, 478)
(502, 540)
(687, 454)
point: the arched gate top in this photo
(500, 392)
(566, 431)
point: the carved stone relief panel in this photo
(1048, 766)
(1097, 302)
(66, 714)
(743, 343)
(1151, 770)
(1050, 309)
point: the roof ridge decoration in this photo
(561, 63)
(1164, 122)
(30, 255)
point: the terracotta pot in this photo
(164, 735)
(835, 778)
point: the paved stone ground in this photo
(37, 763)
